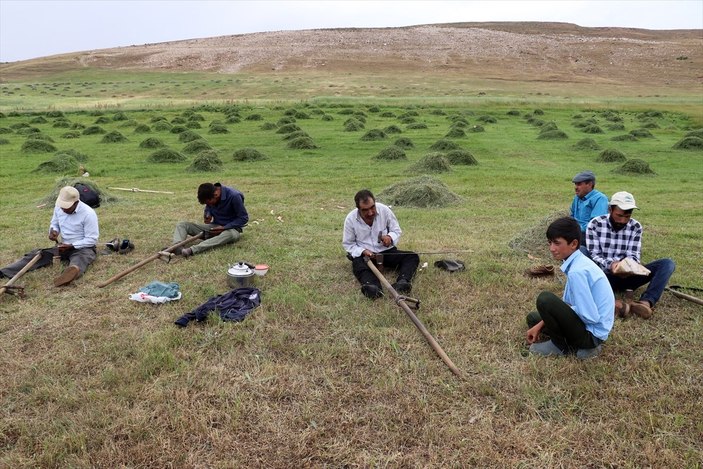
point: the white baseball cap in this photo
(623, 200)
(67, 197)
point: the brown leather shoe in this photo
(540, 271)
(622, 309)
(68, 276)
(642, 309)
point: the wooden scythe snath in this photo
(135, 189)
(10, 283)
(400, 301)
(149, 259)
(673, 291)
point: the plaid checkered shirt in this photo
(607, 245)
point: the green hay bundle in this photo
(254, 117)
(611, 155)
(194, 125)
(55, 114)
(302, 143)
(387, 114)
(346, 112)
(431, 163)
(71, 134)
(455, 132)
(547, 126)
(288, 119)
(178, 129)
(248, 154)
(392, 129)
(301, 115)
(179, 120)
(487, 119)
(28, 131)
(461, 157)
(6, 130)
(444, 145)
(586, 144)
(374, 109)
(421, 192)
(61, 124)
(196, 117)
(4, 141)
(538, 112)
(166, 155)
(37, 146)
(80, 157)
(513, 112)
(405, 143)
(196, 146)
(353, 125)
(288, 129)
(536, 122)
(438, 112)
(612, 116)
(43, 137)
(218, 129)
(188, 136)
(650, 125)
(476, 128)
(60, 164)
(553, 135)
(695, 133)
(373, 135)
(533, 240)
(616, 127)
(113, 137)
(50, 199)
(408, 120)
(233, 120)
(38, 120)
(94, 130)
(416, 126)
(156, 119)
(142, 129)
(592, 129)
(206, 161)
(152, 142)
(102, 121)
(327, 117)
(391, 153)
(635, 166)
(296, 134)
(268, 126)
(162, 126)
(641, 133)
(624, 138)
(119, 116)
(689, 143)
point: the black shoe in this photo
(402, 286)
(371, 291)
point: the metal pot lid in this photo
(240, 269)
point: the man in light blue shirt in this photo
(581, 320)
(588, 203)
(77, 225)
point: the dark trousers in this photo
(405, 262)
(661, 271)
(46, 259)
(562, 324)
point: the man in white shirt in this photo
(77, 224)
(372, 231)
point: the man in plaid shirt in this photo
(613, 237)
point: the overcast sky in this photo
(34, 28)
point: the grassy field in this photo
(318, 376)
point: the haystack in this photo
(422, 191)
(392, 152)
(248, 154)
(206, 161)
(689, 143)
(533, 240)
(611, 155)
(431, 163)
(635, 166)
(50, 199)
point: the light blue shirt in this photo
(594, 204)
(359, 236)
(79, 228)
(589, 294)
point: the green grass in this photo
(318, 376)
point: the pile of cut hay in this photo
(422, 191)
(635, 166)
(611, 155)
(248, 154)
(533, 240)
(392, 152)
(50, 199)
(461, 157)
(431, 163)
(206, 161)
(689, 143)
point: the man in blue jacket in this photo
(224, 218)
(588, 202)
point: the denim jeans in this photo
(661, 271)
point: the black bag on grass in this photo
(88, 195)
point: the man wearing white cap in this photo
(616, 236)
(77, 224)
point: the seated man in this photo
(372, 231)
(615, 236)
(224, 218)
(77, 224)
(588, 202)
(581, 320)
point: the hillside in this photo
(513, 52)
